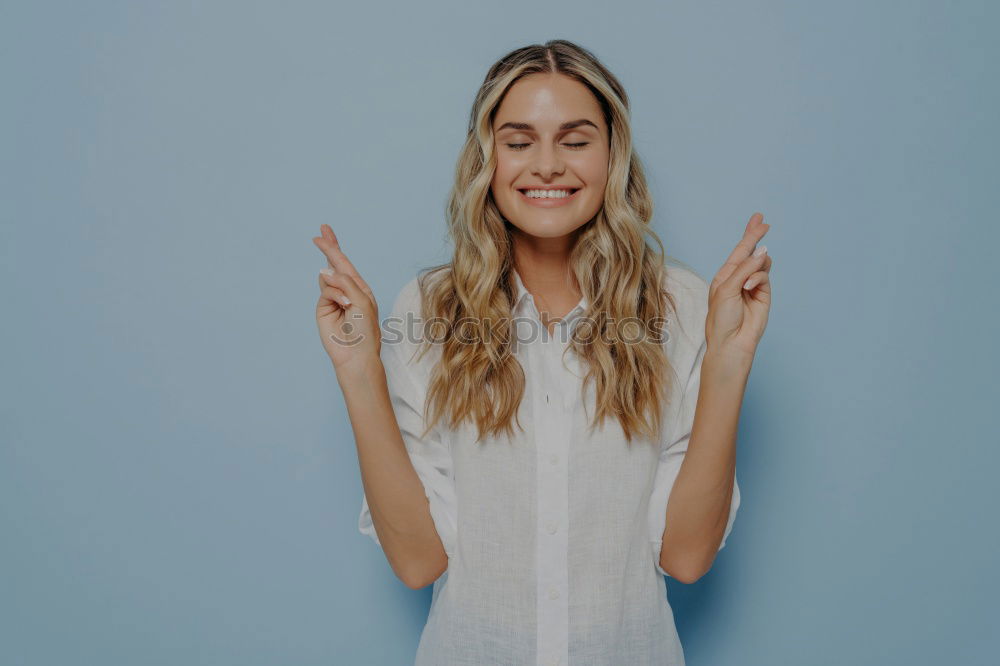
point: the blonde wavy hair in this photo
(622, 278)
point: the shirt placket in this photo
(552, 447)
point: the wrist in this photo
(360, 369)
(727, 363)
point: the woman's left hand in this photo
(739, 297)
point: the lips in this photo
(549, 202)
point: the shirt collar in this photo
(522, 294)
(521, 291)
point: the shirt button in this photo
(551, 527)
(553, 459)
(553, 593)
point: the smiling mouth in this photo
(562, 193)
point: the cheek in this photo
(590, 167)
(594, 172)
(503, 178)
(507, 169)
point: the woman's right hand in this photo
(346, 314)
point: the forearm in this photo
(700, 500)
(400, 510)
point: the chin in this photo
(546, 230)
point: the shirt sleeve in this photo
(675, 445)
(430, 456)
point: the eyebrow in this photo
(565, 126)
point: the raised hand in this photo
(739, 297)
(346, 314)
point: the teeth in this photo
(547, 194)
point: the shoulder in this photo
(683, 279)
(404, 329)
(409, 299)
(690, 294)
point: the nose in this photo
(547, 162)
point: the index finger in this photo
(336, 258)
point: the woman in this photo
(526, 470)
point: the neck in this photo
(543, 264)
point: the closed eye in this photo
(521, 146)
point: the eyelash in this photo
(575, 146)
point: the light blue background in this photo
(178, 478)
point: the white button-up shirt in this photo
(553, 537)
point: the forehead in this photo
(547, 100)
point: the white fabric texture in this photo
(553, 537)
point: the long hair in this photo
(622, 278)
